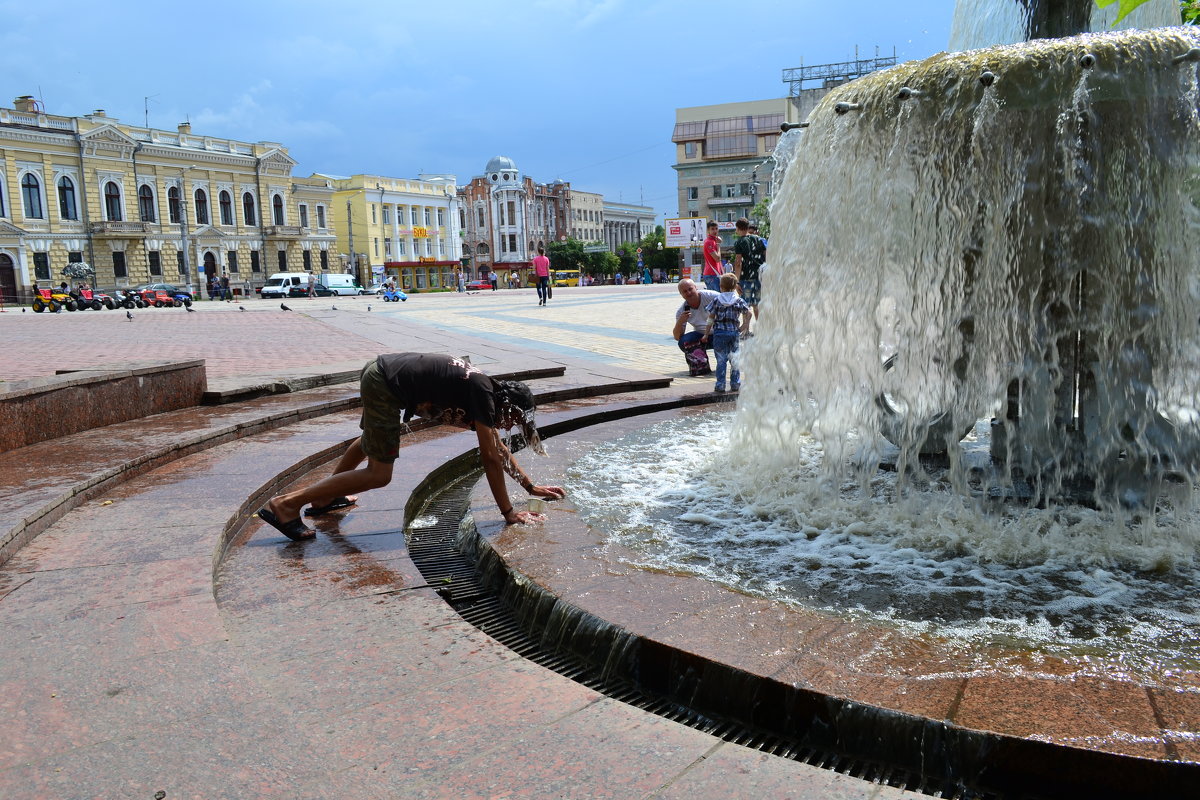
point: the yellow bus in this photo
(566, 277)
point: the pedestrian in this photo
(725, 323)
(618, 279)
(694, 312)
(494, 279)
(541, 268)
(646, 279)
(712, 258)
(442, 388)
(312, 284)
(226, 292)
(749, 253)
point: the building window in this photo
(307, 255)
(512, 213)
(31, 196)
(387, 246)
(324, 261)
(255, 265)
(226, 204)
(119, 270)
(716, 190)
(693, 193)
(66, 199)
(277, 209)
(462, 218)
(428, 218)
(399, 247)
(283, 261)
(201, 207)
(413, 215)
(112, 202)
(248, 209)
(376, 246)
(303, 216)
(387, 216)
(480, 210)
(146, 203)
(689, 149)
(441, 217)
(74, 257)
(321, 217)
(183, 271)
(173, 205)
(41, 266)
(155, 260)
(231, 261)
(372, 213)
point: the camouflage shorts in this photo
(750, 291)
(380, 421)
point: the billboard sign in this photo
(686, 232)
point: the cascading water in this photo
(1007, 234)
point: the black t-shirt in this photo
(752, 251)
(461, 390)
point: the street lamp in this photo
(183, 231)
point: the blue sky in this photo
(583, 90)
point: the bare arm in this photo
(497, 459)
(680, 326)
(737, 265)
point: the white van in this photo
(341, 283)
(281, 284)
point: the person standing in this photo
(712, 259)
(724, 324)
(748, 255)
(494, 279)
(312, 284)
(226, 292)
(541, 268)
(694, 312)
(462, 280)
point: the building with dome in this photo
(506, 215)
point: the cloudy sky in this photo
(583, 90)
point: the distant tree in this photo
(1129, 5)
(761, 213)
(566, 255)
(1191, 12)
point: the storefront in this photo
(415, 276)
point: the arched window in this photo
(173, 205)
(66, 198)
(226, 203)
(201, 207)
(248, 209)
(112, 202)
(277, 208)
(31, 196)
(146, 203)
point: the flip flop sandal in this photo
(335, 504)
(294, 529)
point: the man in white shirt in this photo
(694, 343)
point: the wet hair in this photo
(517, 402)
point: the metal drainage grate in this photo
(434, 551)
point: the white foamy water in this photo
(1068, 581)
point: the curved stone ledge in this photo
(823, 681)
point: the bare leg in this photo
(346, 479)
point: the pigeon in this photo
(241, 308)
(284, 307)
(334, 308)
(128, 315)
(189, 309)
(368, 307)
(22, 311)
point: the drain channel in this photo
(434, 549)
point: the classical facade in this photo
(142, 205)
(506, 216)
(406, 228)
(587, 216)
(625, 222)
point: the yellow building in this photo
(142, 205)
(406, 228)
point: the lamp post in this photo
(183, 233)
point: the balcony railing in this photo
(284, 230)
(110, 228)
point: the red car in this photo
(479, 286)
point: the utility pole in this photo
(183, 234)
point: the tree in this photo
(1129, 5)
(1191, 12)
(566, 255)
(761, 213)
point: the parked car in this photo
(479, 286)
(319, 289)
(169, 288)
(340, 283)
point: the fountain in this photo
(1013, 237)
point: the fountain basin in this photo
(995, 719)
